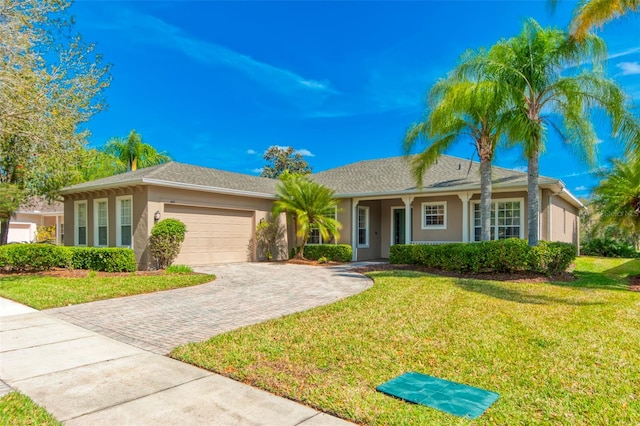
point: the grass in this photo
(18, 409)
(45, 292)
(559, 353)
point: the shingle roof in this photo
(393, 176)
(40, 205)
(179, 174)
(369, 177)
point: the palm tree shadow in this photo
(494, 290)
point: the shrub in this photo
(551, 258)
(46, 234)
(33, 257)
(107, 259)
(607, 247)
(179, 269)
(335, 252)
(165, 241)
(509, 255)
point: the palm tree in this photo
(594, 13)
(535, 68)
(308, 203)
(461, 109)
(617, 197)
(132, 153)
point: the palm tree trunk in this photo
(533, 198)
(485, 197)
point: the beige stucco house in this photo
(35, 213)
(221, 209)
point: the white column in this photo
(465, 197)
(408, 201)
(354, 230)
(58, 230)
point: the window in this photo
(506, 220)
(314, 235)
(363, 227)
(80, 208)
(101, 222)
(124, 221)
(434, 215)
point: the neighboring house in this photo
(221, 209)
(36, 212)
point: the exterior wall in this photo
(23, 226)
(373, 251)
(453, 231)
(385, 225)
(564, 221)
(545, 210)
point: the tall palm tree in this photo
(535, 68)
(617, 197)
(461, 109)
(307, 202)
(594, 13)
(132, 153)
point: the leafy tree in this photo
(283, 159)
(594, 13)
(533, 68)
(617, 197)
(121, 155)
(461, 109)
(307, 202)
(50, 83)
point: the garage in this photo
(213, 235)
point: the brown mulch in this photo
(634, 283)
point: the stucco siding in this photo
(373, 250)
(453, 229)
(564, 221)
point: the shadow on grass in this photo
(596, 280)
(632, 267)
(493, 289)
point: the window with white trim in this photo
(124, 220)
(101, 222)
(507, 220)
(434, 215)
(80, 213)
(315, 237)
(363, 226)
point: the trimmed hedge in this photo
(502, 256)
(108, 259)
(335, 252)
(42, 257)
(33, 257)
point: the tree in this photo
(282, 159)
(594, 13)
(617, 197)
(534, 68)
(50, 83)
(307, 202)
(128, 154)
(461, 109)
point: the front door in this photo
(398, 226)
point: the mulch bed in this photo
(634, 283)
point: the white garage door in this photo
(213, 235)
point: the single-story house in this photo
(380, 205)
(36, 212)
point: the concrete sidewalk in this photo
(83, 378)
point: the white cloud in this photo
(305, 152)
(624, 53)
(581, 188)
(251, 152)
(520, 168)
(629, 68)
(256, 170)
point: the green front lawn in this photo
(18, 409)
(44, 292)
(560, 353)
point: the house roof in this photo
(186, 176)
(40, 205)
(393, 176)
(369, 178)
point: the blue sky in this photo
(216, 83)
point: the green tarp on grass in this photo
(455, 398)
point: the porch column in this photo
(465, 197)
(57, 229)
(354, 229)
(408, 201)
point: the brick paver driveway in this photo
(242, 294)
